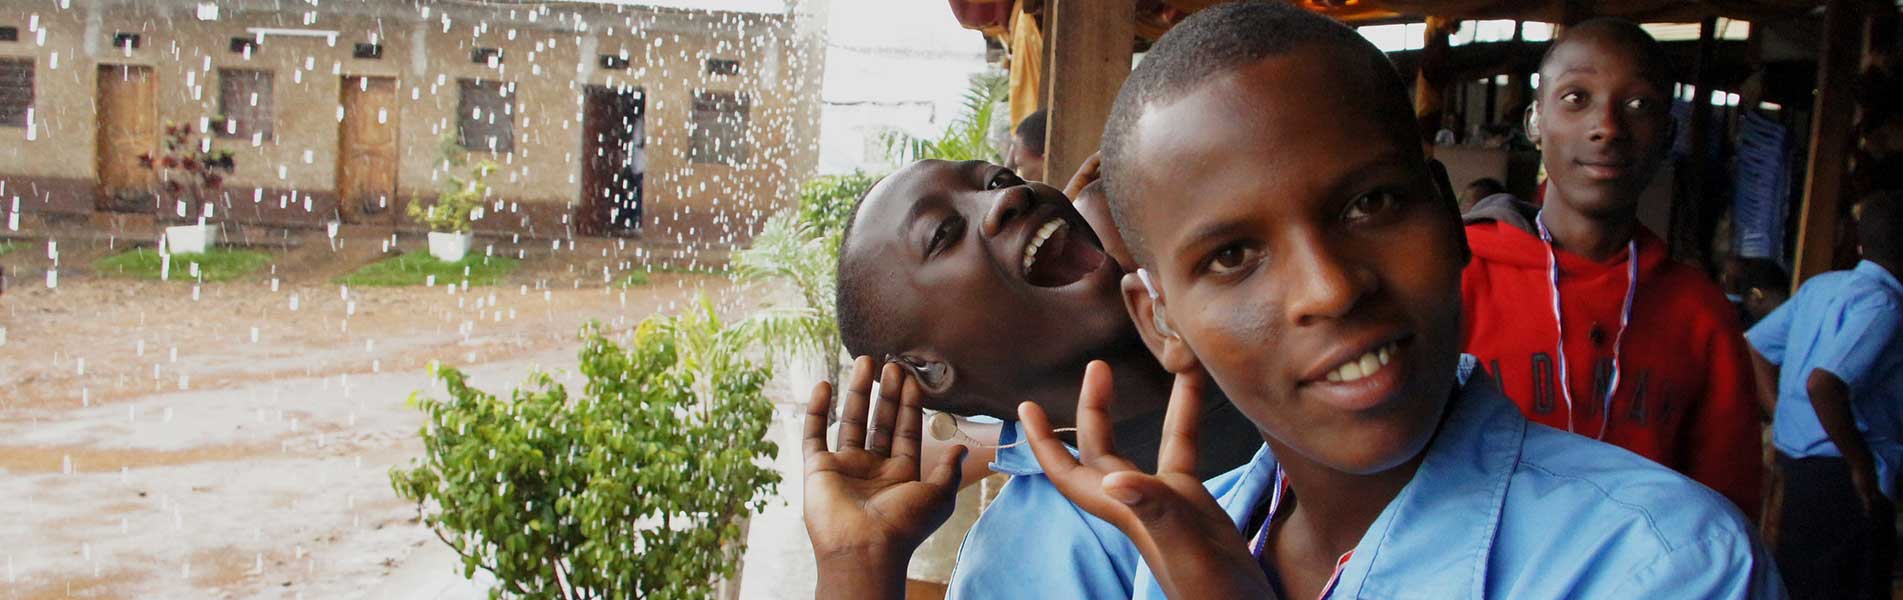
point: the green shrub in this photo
(461, 194)
(636, 488)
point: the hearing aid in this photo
(944, 427)
(1157, 316)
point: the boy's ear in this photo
(1153, 324)
(1533, 123)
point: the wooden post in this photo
(1090, 57)
(1694, 195)
(1831, 120)
(1430, 80)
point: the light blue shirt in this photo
(1032, 543)
(1502, 508)
(1846, 323)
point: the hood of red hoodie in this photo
(1502, 243)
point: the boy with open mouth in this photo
(986, 290)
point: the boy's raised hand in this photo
(1191, 545)
(866, 506)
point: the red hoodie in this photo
(1685, 396)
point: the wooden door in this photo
(128, 129)
(611, 171)
(367, 149)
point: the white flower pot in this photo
(191, 239)
(450, 247)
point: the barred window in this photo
(719, 131)
(486, 116)
(16, 91)
(244, 98)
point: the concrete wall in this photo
(551, 55)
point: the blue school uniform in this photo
(1502, 508)
(1846, 323)
(1035, 544)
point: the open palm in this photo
(868, 493)
(1191, 545)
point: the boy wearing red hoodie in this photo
(1576, 308)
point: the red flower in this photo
(213, 181)
(168, 163)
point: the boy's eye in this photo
(1370, 205)
(1573, 98)
(942, 235)
(1004, 178)
(1230, 259)
(1639, 104)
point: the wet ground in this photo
(161, 440)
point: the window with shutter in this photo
(244, 99)
(719, 134)
(16, 91)
(486, 116)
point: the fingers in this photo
(1094, 437)
(907, 431)
(947, 473)
(1049, 450)
(1177, 453)
(891, 383)
(813, 439)
(1086, 173)
(1169, 519)
(852, 420)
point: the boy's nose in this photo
(1325, 287)
(1607, 125)
(1012, 202)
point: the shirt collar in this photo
(1253, 481)
(1882, 275)
(1466, 471)
(1016, 460)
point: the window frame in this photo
(19, 120)
(702, 133)
(504, 93)
(248, 122)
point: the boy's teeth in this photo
(1363, 366)
(1037, 241)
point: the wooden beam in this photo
(1825, 179)
(1090, 57)
(1696, 191)
(1430, 79)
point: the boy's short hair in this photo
(1880, 227)
(859, 316)
(1657, 63)
(1030, 131)
(1216, 41)
(1763, 274)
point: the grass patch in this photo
(693, 270)
(6, 247)
(416, 268)
(635, 279)
(220, 264)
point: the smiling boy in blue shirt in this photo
(1834, 356)
(1262, 168)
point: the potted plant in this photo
(192, 174)
(448, 218)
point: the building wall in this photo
(551, 55)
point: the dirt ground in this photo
(233, 440)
